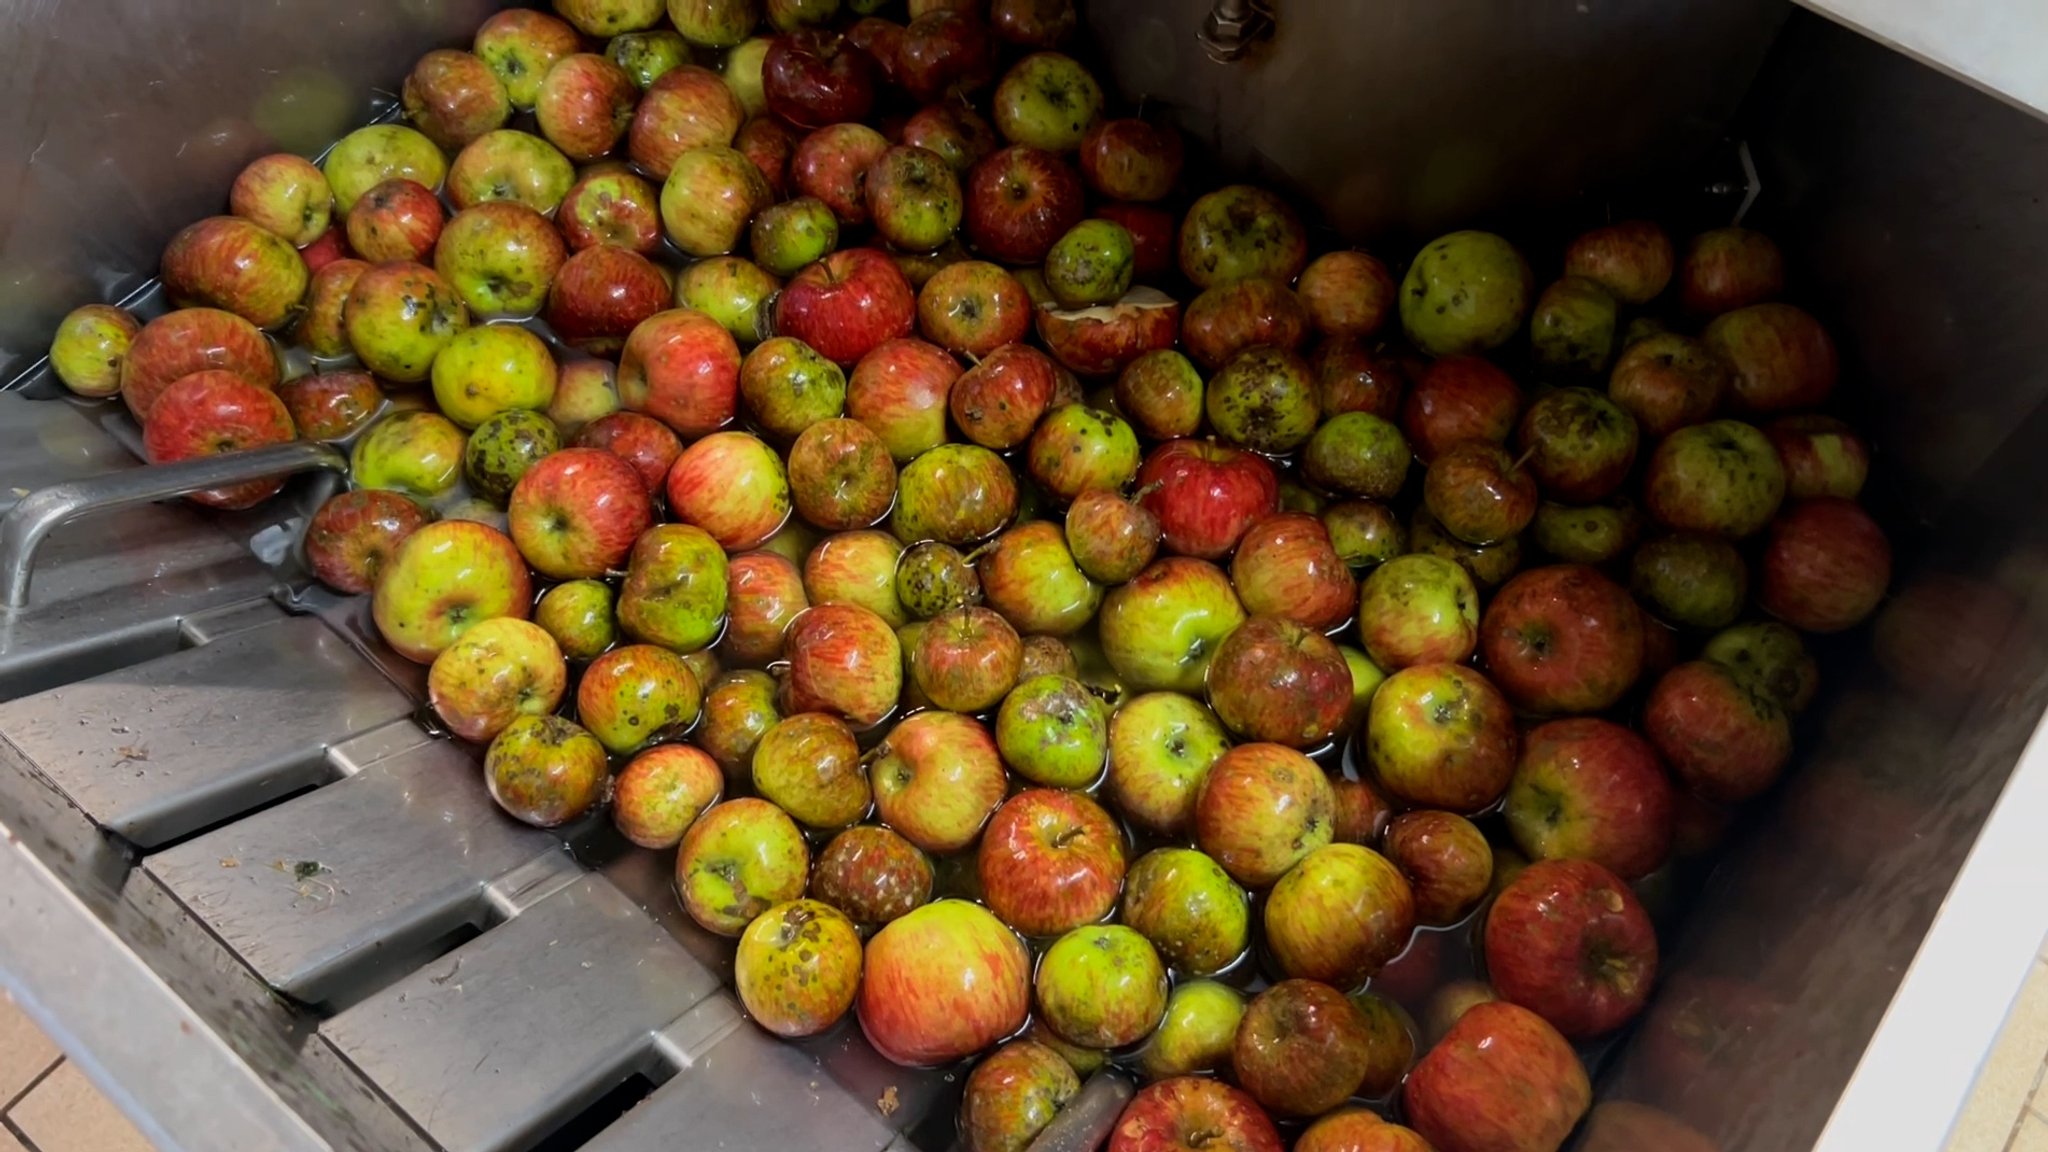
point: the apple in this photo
(1562, 639)
(1357, 1130)
(375, 153)
(495, 673)
(731, 485)
(945, 54)
(1101, 986)
(510, 165)
(1189, 908)
(1465, 292)
(353, 537)
(446, 577)
(415, 452)
(1111, 538)
(213, 412)
(453, 97)
(604, 18)
(1132, 159)
(1362, 813)
(1047, 100)
(642, 441)
(545, 771)
(236, 265)
(682, 368)
(846, 305)
(503, 448)
(937, 778)
(1721, 477)
(586, 390)
(740, 859)
(711, 193)
(1160, 630)
(1593, 534)
(1340, 914)
(285, 195)
(1501, 1080)
(730, 290)
(1418, 609)
(611, 204)
(1822, 456)
(1197, 1033)
(1101, 340)
(1076, 448)
(1160, 393)
(1206, 495)
(1590, 789)
(840, 475)
(1722, 739)
(966, 660)
(1580, 445)
(577, 513)
(1445, 859)
(1568, 940)
(637, 695)
(492, 369)
(809, 766)
(1729, 268)
(585, 105)
(714, 23)
(738, 709)
(813, 77)
(1032, 23)
(1046, 656)
(845, 660)
(880, 39)
(1782, 357)
(1161, 747)
(1264, 399)
(1572, 326)
(1050, 861)
(831, 165)
(1053, 731)
(331, 405)
(188, 340)
(913, 197)
(957, 493)
(1352, 377)
(1825, 566)
(784, 237)
(1019, 202)
(1193, 1114)
(1668, 381)
(1366, 534)
(1459, 398)
(647, 56)
(797, 967)
(1347, 294)
(1240, 232)
(943, 982)
(578, 614)
(1012, 1095)
(1631, 260)
(1302, 1048)
(1769, 658)
(900, 390)
(872, 874)
(328, 247)
(1357, 454)
(399, 317)
(1441, 736)
(1690, 580)
(973, 309)
(1239, 314)
(1260, 810)
(956, 132)
(501, 257)
(1275, 681)
(933, 577)
(674, 592)
(686, 108)
(765, 592)
(519, 45)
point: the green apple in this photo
(933, 577)
(578, 614)
(1161, 746)
(492, 369)
(1573, 325)
(789, 235)
(90, 346)
(1366, 678)
(732, 291)
(1358, 454)
(503, 447)
(1770, 659)
(398, 318)
(501, 256)
(1722, 477)
(1418, 609)
(1197, 1034)
(1159, 630)
(1091, 264)
(1585, 534)
(1690, 580)
(1441, 736)
(371, 155)
(647, 56)
(1465, 292)
(1053, 731)
(714, 23)
(1101, 986)
(743, 73)
(418, 453)
(675, 588)
(738, 860)
(1189, 908)
(1047, 100)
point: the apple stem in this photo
(1147, 490)
(1521, 460)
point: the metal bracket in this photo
(1233, 28)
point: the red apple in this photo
(642, 441)
(945, 54)
(1501, 1080)
(872, 874)
(1340, 915)
(1668, 381)
(446, 577)
(1826, 565)
(1193, 1114)
(1276, 681)
(900, 389)
(212, 412)
(238, 266)
(1105, 339)
(688, 107)
(1112, 539)
(771, 145)
(1262, 808)
(966, 659)
(841, 476)
(764, 593)
(1632, 260)
(1352, 377)
(1784, 360)
(1446, 860)
(331, 405)
(731, 485)
(453, 97)
(285, 194)
(1019, 202)
(998, 402)
(1590, 789)
(954, 131)
(682, 368)
(575, 514)
(812, 78)
(1152, 230)
(1459, 398)
(327, 248)
(1568, 940)
(1347, 293)
(600, 294)
(1823, 456)
(352, 538)
(847, 304)
(585, 105)
(1049, 861)
(1562, 639)
(943, 982)
(1206, 495)
(832, 164)
(973, 308)
(1241, 314)
(1285, 565)
(611, 204)
(881, 39)
(1725, 741)
(395, 220)
(843, 660)
(1729, 268)
(937, 779)
(1302, 1047)
(1133, 159)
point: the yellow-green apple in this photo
(966, 660)
(578, 614)
(639, 440)
(1825, 566)
(585, 105)
(189, 340)
(1690, 579)
(1459, 398)
(1302, 1048)
(943, 982)
(1771, 659)
(447, 577)
(784, 237)
(320, 324)
(686, 108)
(944, 53)
(1358, 454)
(1053, 731)
(764, 593)
(1590, 534)
(493, 674)
(635, 695)
(1046, 100)
(1632, 260)
(845, 660)
(797, 967)
(840, 475)
(1076, 447)
(1030, 577)
(957, 493)
(813, 77)
(354, 536)
(1580, 445)
(1264, 398)
(731, 485)
(1441, 736)
(1189, 908)
(1240, 232)
(1020, 201)
(578, 512)
(1465, 292)
(1501, 1080)
(831, 165)
(1446, 860)
(647, 56)
(1237, 315)
(731, 290)
(1724, 739)
(1569, 941)
(1478, 493)
(453, 97)
(1722, 478)
(1050, 861)
(1206, 495)
(501, 257)
(1418, 609)
(740, 858)
(212, 412)
(973, 308)
(682, 368)
(787, 388)
(1729, 268)
(1782, 357)
(331, 405)
(545, 771)
(236, 265)
(1161, 747)
(1160, 630)
(1275, 680)
(492, 369)
(674, 594)
(375, 153)
(1101, 986)
(953, 130)
(1193, 1114)
(1286, 565)
(913, 198)
(1260, 809)
(1160, 393)
(810, 766)
(1197, 1033)
(739, 708)
(1339, 915)
(519, 45)
(585, 390)
(1571, 327)
(1347, 294)
(398, 318)
(1353, 376)
(900, 389)
(415, 452)
(847, 305)
(599, 296)
(611, 204)
(1013, 1094)
(937, 779)
(1564, 638)
(510, 165)
(1591, 789)
(1113, 538)
(284, 194)
(714, 23)
(711, 193)
(872, 874)
(607, 18)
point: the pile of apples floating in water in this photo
(824, 540)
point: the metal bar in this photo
(39, 513)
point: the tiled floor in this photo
(46, 1104)
(2008, 1109)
